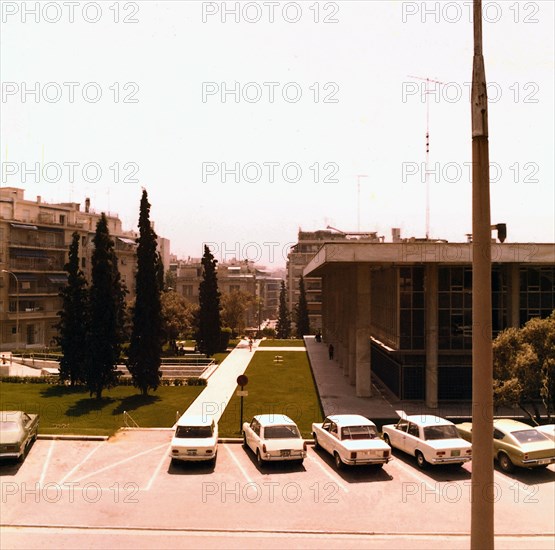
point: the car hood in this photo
(365, 445)
(455, 443)
(290, 443)
(194, 442)
(10, 438)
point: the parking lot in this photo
(128, 482)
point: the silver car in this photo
(17, 430)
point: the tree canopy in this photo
(209, 322)
(302, 320)
(524, 367)
(145, 349)
(73, 322)
(283, 327)
(234, 308)
(107, 313)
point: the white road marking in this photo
(120, 462)
(335, 478)
(46, 463)
(75, 468)
(165, 456)
(413, 474)
(238, 464)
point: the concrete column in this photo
(350, 307)
(513, 290)
(431, 296)
(362, 338)
(325, 306)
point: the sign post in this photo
(242, 381)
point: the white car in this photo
(431, 439)
(195, 439)
(274, 437)
(351, 439)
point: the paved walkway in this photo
(211, 403)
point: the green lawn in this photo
(286, 388)
(281, 343)
(66, 410)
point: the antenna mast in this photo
(427, 92)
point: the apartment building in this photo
(300, 255)
(34, 242)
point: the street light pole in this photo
(16, 306)
(481, 527)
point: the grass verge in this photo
(66, 410)
(281, 344)
(281, 388)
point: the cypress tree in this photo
(107, 313)
(145, 349)
(72, 326)
(301, 318)
(283, 327)
(209, 322)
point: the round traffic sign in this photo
(242, 380)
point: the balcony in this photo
(36, 264)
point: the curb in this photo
(73, 437)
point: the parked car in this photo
(431, 439)
(17, 430)
(195, 439)
(548, 430)
(516, 444)
(351, 439)
(274, 437)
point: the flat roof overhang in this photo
(333, 255)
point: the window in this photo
(413, 429)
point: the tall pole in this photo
(481, 531)
(16, 307)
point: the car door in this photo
(324, 434)
(398, 434)
(253, 434)
(333, 437)
(412, 438)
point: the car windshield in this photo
(281, 432)
(359, 432)
(191, 432)
(529, 436)
(440, 432)
(8, 426)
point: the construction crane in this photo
(427, 92)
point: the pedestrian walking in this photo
(250, 344)
(330, 351)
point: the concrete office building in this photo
(403, 311)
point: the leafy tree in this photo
(145, 350)
(302, 320)
(524, 367)
(107, 313)
(177, 316)
(283, 327)
(72, 327)
(209, 322)
(234, 307)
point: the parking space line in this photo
(120, 462)
(75, 468)
(46, 463)
(165, 456)
(412, 473)
(335, 479)
(238, 464)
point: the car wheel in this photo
(420, 460)
(505, 463)
(338, 461)
(386, 439)
(316, 444)
(259, 459)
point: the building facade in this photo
(300, 255)
(34, 243)
(403, 311)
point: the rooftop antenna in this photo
(427, 93)
(358, 198)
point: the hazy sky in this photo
(317, 93)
